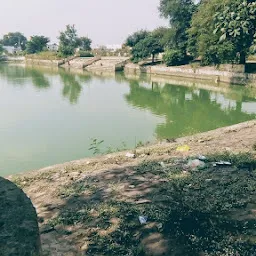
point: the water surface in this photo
(50, 116)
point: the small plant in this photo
(95, 146)
(123, 147)
(140, 144)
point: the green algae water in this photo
(50, 116)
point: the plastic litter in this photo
(160, 226)
(143, 219)
(184, 148)
(202, 158)
(163, 164)
(195, 164)
(130, 155)
(223, 163)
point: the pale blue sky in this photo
(104, 21)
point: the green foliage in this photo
(203, 42)
(179, 13)
(69, 41)
(174, 57)
(223, 31)
(85, 54)
(36, 44)
(237, 23)
(145, 48)
(164, 35)
(15, 39)
(85, 43)
(136, 37)
(45, 55)
(220, 53)
(1, 49)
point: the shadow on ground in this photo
(200, 212)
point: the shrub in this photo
(47, 55)
(220, 54)
(85, 54)
(174, 58)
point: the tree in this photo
(1, 49)
(145, 48)
(202, 42)
(85, 43)
(179, 13)
(15, 39)
(37, 44)
(69, 41)
(164, 35)
(237, 23)
(136, 37)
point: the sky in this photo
(104, 21)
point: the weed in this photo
(95, 146)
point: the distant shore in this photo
(231, 74)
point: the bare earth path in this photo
(91, 206)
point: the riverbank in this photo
(231, 74)
(226, 73)
(92, 205)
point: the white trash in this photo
(222, 163)
(195, 164)
(143, 219)
(163, 164)
(202, 158)
(130, 155)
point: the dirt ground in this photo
(92, 206)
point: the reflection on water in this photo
(189, 110)
(48, 116)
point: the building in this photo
(12, 49)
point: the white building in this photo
(12, 49)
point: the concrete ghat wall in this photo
(12, 59)
(233, 74)
(19, 233)
(45, 62)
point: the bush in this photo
(174, 58)
(85, 54)
(220, 54)
(47, 55)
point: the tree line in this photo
(68, 42)
(214, 31)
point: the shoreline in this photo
(91, 206)
(160, 148)
(226, 73)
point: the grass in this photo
(198, 212)
(44, 56)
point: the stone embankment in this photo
(109, 64)
(233, 74)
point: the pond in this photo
(51, 116)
